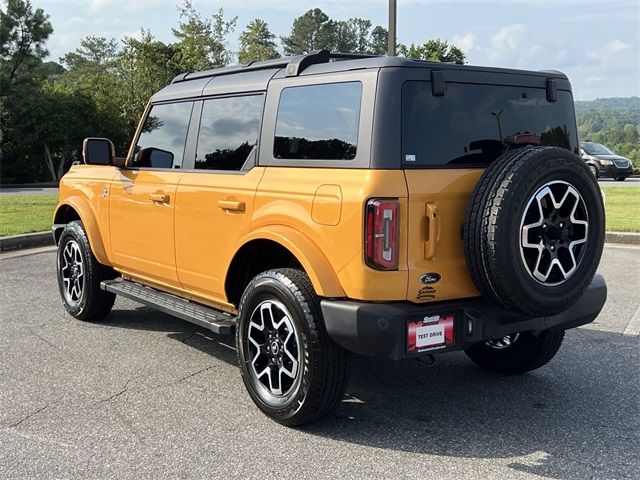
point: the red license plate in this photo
(432, 332)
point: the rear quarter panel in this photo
(307, 200)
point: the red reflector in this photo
(381, 234)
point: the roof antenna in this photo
(393, 10)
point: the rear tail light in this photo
(381, 233)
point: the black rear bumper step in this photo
(209, 318)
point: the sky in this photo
(597, 44)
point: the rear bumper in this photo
(381, 328)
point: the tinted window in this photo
(229, 129)
(164, 133)
(318, 122)
(474, 124)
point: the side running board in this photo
(214, 320)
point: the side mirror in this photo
(98, 151)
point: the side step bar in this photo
(214, 320)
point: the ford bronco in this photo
(329, 204)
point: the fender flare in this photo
(315, 263)
(87, 216)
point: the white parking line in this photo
(633, 328)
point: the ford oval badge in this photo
(431, 277)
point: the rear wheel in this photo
(292, 369)
(80, 274)
(516, 353)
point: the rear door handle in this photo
(159, 197)
(232, 205)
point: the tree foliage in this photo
(435, 50)
(23, 33)
(257, 42)
(202, 43)
(314, 30)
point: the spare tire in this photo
(534, 230)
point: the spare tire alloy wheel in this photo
(274, 348)
(554, 231)
(534, 230)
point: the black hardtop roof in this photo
(257, 74)
(337, 62)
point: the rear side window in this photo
(229, 129)
(318, 122)
(163, 136)
(471, 125)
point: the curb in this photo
(626, 238)
(28, 240)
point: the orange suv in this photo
(329, 204)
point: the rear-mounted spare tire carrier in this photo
(534, 230)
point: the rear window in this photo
(471, 125)
(318, 122)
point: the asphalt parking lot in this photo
(142, 395)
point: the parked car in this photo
(330, 204)
(604, 163)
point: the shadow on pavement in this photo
(576, 418)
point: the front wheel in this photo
(80, 274)
(593, 170)
(516, 353)
(294, 372)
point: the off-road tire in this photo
(491, 231)
(527, 353)
(93, 303)
(325, 364)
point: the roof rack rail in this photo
(293, 65)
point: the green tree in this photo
(92, 72)
(202, 41)
(93, 51)
(142, 67)
(23, 34)
(379, 41)
(257, 42)
(311, 31)
(314, 30)
(435, 50)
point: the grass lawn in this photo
(26, 213)
(33, 213)
(622, 206)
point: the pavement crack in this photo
(202, 370)
(28, 416)
(37, 335)
(115, 395)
